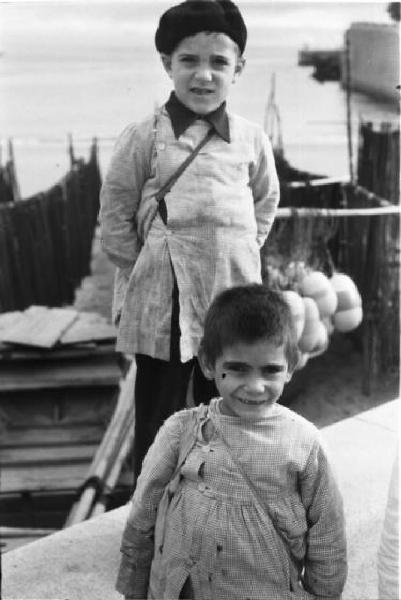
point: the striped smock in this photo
(220, 212)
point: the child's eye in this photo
(187, 59)
(220, 62)
(272, 369)
(236, 368)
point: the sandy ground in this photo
(326, 390)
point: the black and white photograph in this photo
(199, 299)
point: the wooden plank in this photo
(14, 543)
(88, 327)
(43, 478)
(50, 455)
(112, 477)
(49, 436)
(79, 350)
(9, 319)
(122, 421)
(54, 412)
(37, 375)
(40, 326)
(48, 506)
(29, 532)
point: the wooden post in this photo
(71, 153)
(349, 115)
(12, 172)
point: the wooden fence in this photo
(379, 160)
(6, 188)
(45, 240)
(338, 226)
(331, 224)
(370, 253)
(9, 188)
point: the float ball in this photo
(297, 308)
(349, 312)
(323, 338)
(310, 333)
(347, 320)
(317, 286)
(346, 290)
(303, 359)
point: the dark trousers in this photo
(161, 389)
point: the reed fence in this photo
(355, 228)
(343, 227)
(379, 159)
(9, 188)
(46, 240)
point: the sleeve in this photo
(387, 559)
(265, 188)
(138, 537)
(326, 558)
(120, 194)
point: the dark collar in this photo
(182, 117)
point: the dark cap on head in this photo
(192, 16)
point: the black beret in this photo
(192, 16)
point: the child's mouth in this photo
(252, 402)
(201, 91)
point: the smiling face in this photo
(202, 68)
(250, 377)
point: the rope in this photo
(287, 213)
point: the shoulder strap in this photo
(159, 196)
(199, 416)
(173, 178)
(242, 471)
(262, 505)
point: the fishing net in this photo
(366, 248)
(298, 244)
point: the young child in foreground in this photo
(207, 232)
(237, 499)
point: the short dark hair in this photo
(247, 314)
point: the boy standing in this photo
(173, 255)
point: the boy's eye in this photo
(272, 369)
(220, 61)
(187, 59)
(236, 368)
(242, 368)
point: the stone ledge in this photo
(81, 562)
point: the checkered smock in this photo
(206, 525)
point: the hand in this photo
(146, 222)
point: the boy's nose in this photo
(203, 74)
(255, 385)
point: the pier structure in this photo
(326, 62)
(373, 58)
(368, 62)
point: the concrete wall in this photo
(80, 563)
(374, 59)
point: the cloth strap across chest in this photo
(160, 195)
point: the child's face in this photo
(250, 378)
(202, 68)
